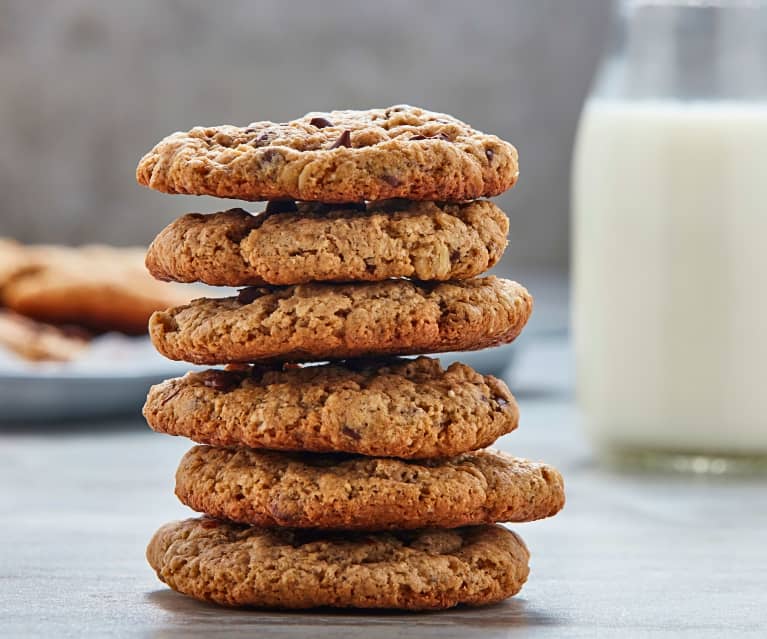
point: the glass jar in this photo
(670, 238)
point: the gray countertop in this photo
(630, 555)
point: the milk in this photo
(670, 275)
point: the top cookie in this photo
(341, 156)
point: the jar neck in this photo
(687, 50)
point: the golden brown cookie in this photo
(397, 408)
(237, 565)
(306, 490)
(101, 288)
(315, 322)
(37, 341)
(310, 242)
(341, 156)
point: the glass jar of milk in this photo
(670, 238)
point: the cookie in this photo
(307, 490)
(14, 259)
(395, 408)
(341, 156)
(237, 565)
(39, 342)
(420, 240)
(316, 322)
(101, 288)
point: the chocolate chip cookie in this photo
(397, 408)
(316, 322)
(341, 156)
(306, 490)
(310, 242)
(238, 565)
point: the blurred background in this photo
(88, 87)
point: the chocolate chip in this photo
(350, 432)
(418, 137)
(281, 206)
(263, 139)
(250, 129)
(489, 154)
(270, 154)
(344, 140)
(249, 295)
(455, 255)
(320, 123)
(442, 136)
(501, 402)
(223, 381)
(391, 180)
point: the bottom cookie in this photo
(237, 565)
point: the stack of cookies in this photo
(332, 471)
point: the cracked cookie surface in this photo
(393, 239)
(236, 565)
(341, 156)
(342, 492)
(317, 322)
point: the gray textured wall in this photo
(86, 87)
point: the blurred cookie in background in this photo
(97, 287)
(37, 341)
